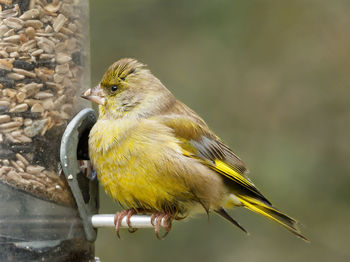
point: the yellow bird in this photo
(153, 154)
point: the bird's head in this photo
(127, 86)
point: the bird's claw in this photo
(159, 220)
(118, 218)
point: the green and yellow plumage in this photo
(151, 151)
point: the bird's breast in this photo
(132, 161)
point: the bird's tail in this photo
(270, 212)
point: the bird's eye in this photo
(114, 88)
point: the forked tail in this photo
(268, 211)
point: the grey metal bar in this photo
(107, 220)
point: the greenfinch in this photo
(155, 155)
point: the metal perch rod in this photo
(136, 221)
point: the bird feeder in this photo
(44, 66)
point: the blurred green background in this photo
(271, 78)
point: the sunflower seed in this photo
(30, 14)
(59, 22)
(19, 108)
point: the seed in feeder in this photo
(59, 22)
(9, 92)
(65, 115)
(24, 139)
(24, 72)
(26, 176)
(43, 95)
(72, 27)
(62, 58)
(15, 76)
(48, 29)
(27, 122)
(7, 82)
(6, 64)
(6, 153)
(53, 7)
(9, 137)
(10, 32)
(9, 12)
(10, 125)
(22, 159)
(34, 169)
(27, 46)
(62, 69)
(31, 101)
(67, 108)
(4, 118)
(54, 86)
(18, 167)
(4, 169)
(48, 104)
(31, 89)
(66, 31)
(5, 161)
(33, 23)
(11, 48)
(30, 14)
(4, 109)
(47, 56)
(13, 22)
(59, 101)
(42, 75)
(13, 39)
(16, 133)
(13, 176)
(3, 30)
(3, 72)
(20, 97)
(4, 103)
(46, 63)
(35, 128)
(37, 108)
(23, 65)
(30, 32)
(58, 78)
(4, 54)
(19, 108)
(14, 54)
(20, 164)
(18, 119)
(60, 47)
(60, 36)
(70, 44)
(37, 52)
(45, 45)
(76, 58)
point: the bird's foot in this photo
(119, 216)
(161, 219)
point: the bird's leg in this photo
(119, 216)
(159, 220)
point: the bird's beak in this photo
(95, 95)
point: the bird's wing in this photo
(197, 141)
